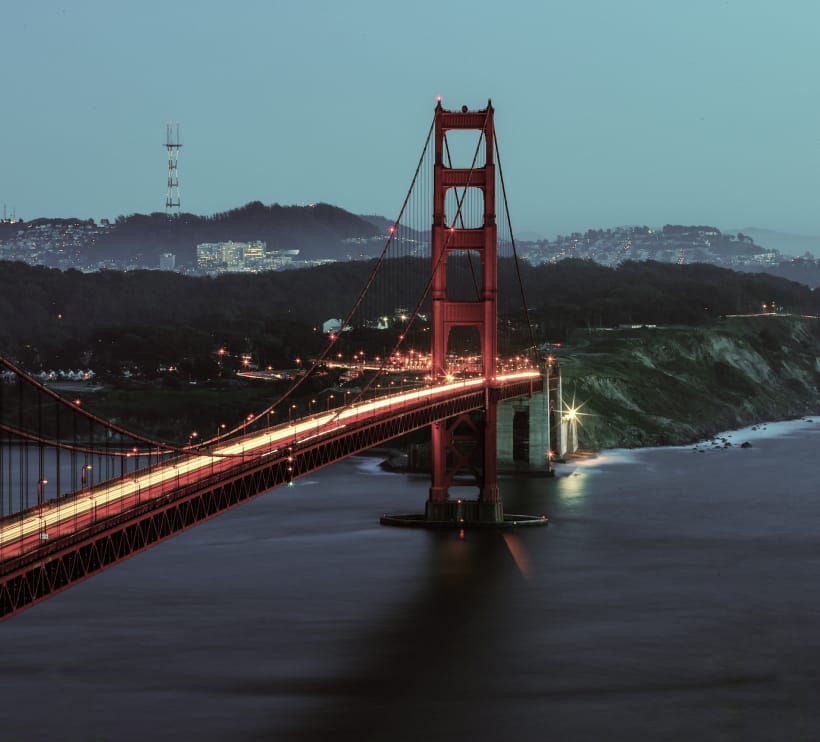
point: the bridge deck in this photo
(44, 550)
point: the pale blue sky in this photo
(608, 112)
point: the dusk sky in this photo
(607, 113)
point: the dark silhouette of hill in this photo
(56, 319)
(317, 231)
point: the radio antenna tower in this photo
(173, 145)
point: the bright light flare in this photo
(572, 411)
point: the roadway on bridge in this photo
(26, 531)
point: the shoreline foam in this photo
(751, 433)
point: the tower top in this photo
(172, 138)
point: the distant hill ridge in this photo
(317, 231)
(789, 244)
(322, 231)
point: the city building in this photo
(241, 257)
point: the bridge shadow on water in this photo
(426, 671)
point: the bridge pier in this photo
(460, 511)
(527, 431)
(463, 514)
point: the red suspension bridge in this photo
(124, 492)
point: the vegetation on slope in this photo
(694, 374)
(666, 386)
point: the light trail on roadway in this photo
(25, 531)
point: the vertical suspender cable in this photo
(514, 251)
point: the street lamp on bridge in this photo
(84, 475)
(85, 478)
(42, 483)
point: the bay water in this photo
(675, 595)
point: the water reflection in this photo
(572, 485)
(519, 553)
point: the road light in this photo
(330, 398)
(220, 428)
(84, 474)
(290, 413)
(310, 406)
(42, 483)
(191, 437)
(84, 479)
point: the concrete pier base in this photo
(461, 511)
(458, 514)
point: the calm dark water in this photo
(674, 596)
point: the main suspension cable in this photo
(433, 273)
(319, 360)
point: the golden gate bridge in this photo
(124, 492)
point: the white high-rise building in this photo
(240, 257)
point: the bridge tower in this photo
(464, 451)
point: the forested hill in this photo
(317, 231)
(64, 313)
(651, 387)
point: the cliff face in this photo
(671, 386)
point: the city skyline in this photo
(635, 114)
